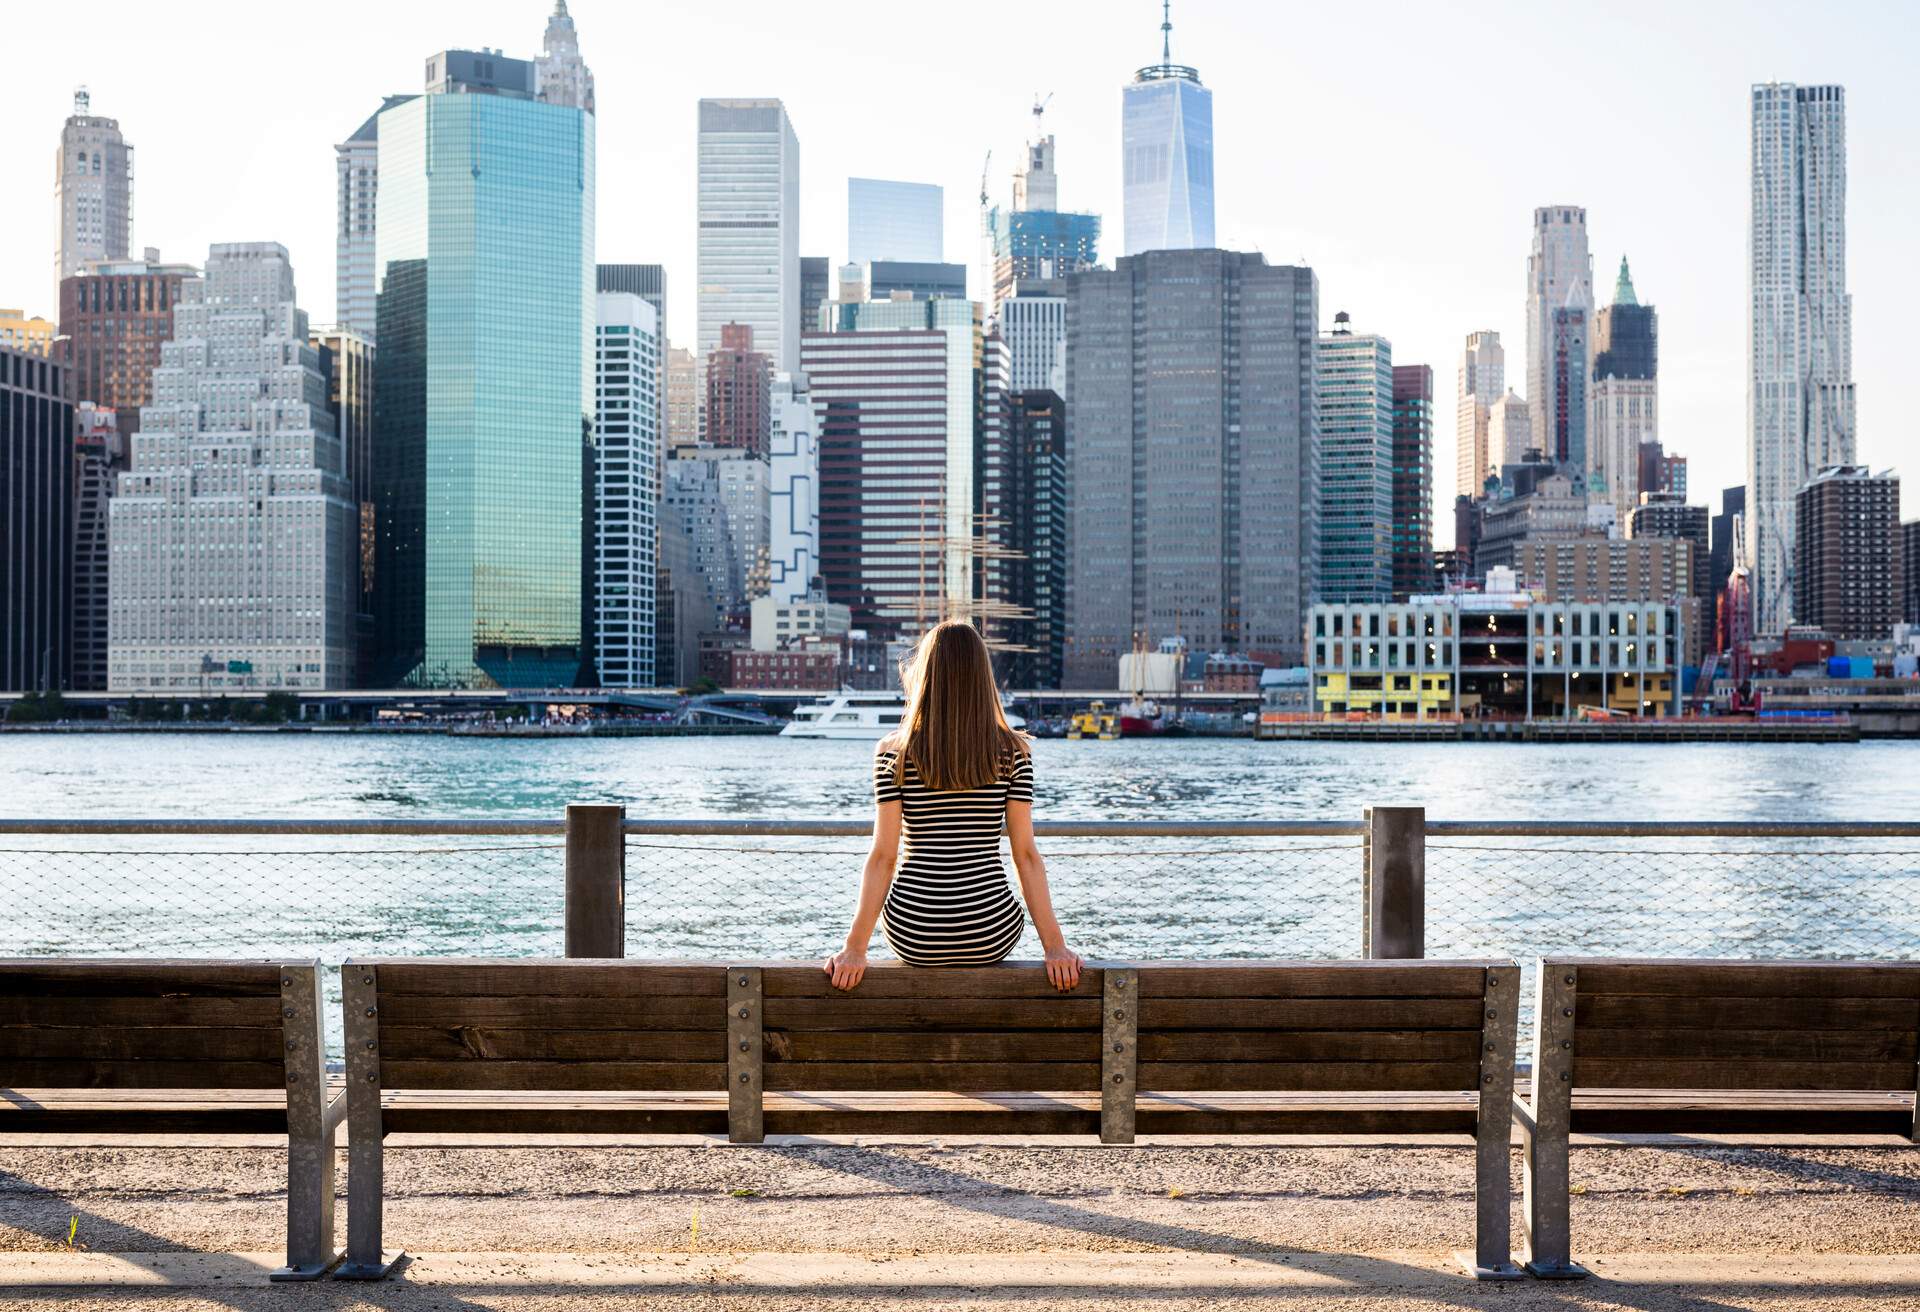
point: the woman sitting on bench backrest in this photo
(954, 777)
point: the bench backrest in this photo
(1272, 1026)
(1792, 1025)
(152, 1024)
(547, 1025)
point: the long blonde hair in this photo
(955, 732)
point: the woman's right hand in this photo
(846, 968)
(1063, 967)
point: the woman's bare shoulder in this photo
(891, 744)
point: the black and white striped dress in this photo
(950, 903)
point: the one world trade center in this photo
(1166, 134)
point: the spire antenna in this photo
(1166, 31)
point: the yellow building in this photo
(24, 334)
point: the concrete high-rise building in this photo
(116, 314)
(889, 220)
(1559, 278)
(1847, 553)
(683, 607)
(1509, 432)
(485, 284)
(816, 289)
(720, 496)
(21, 333)
(1036, 238)
(1667, 515)
(1910, 570)
(683, 397)
(1800, 417)
(893, 395)
(1625, 398)
(793, 492)
(98, 450)
(1356, 464)
(347, 363)
(1194, 460)
(233, 533)
(1412, 480)
(1033, 322)
(749, 226)
(560, 74)
(92, 189)
(627, 475)
(36, 522)
(647, 281)
(739, 392)
(357, 193)
(1482, 382)
(1166, 149)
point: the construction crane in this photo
(1039, 108)
(983, 181)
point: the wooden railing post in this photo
(596, 881)
(1395, 887)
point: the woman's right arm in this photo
(849, 965)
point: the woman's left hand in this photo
(1063, 967)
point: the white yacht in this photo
(860, 715)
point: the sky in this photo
(1399, 148)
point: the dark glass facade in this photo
(1626, 342)
(1041, 244)
(1412, 480)
(922, 281)
(1023, 490)
(115, 322)
(815, 290)
(483, 397)
(36, 523)
(1193, 458)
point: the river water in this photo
(713, 898)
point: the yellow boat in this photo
(1094, 722)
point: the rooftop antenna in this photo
(82, 102)
(1166, 31)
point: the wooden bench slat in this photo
(1008, 980)
(944, 1076)
(151, 1043)
(933, 1047)
(1693, 1074)
(1754, 979)
(1330, 1075)
(853, 1012)
(81, 1073)
(1397, 1014)
(261, 1012)
(1309, 1045)
(580, 979)
(1617, 1011)
(1724, 1045)
(476, 1043)
(551, 1075)
(555, 1012)
(1346, 980)
(108, 977)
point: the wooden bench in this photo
(1162, 1048)
(1686, 1047)
(201, 1047)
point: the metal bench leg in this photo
(1549, 1227)
(310, 1130)
(366, 1260)
(1492, 1256)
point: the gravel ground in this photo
(1395, 1213)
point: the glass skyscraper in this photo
(1356, 464)
(483, 400)
(1166, 144)
(889, 220)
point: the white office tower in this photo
(1559, 277)
(93, 188)
(627, 477)
(1034, 325)
(793, 492)
(234, 535)
(1482, 383)
(1509, 431)
(357, 163)
(1800, 324)
(562, 76)
(1166, 150)
(1625, 398)
(749, 220)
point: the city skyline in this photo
(1680, 212)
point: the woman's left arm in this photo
(1063, 963)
